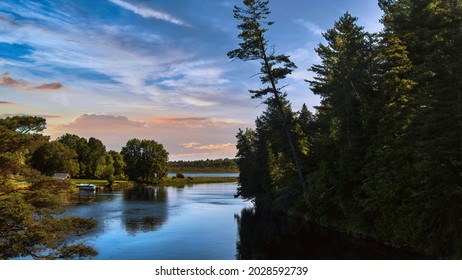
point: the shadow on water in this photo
(275, 238)
(85, 197)
(144, 209)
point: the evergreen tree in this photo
(254, 46)
(344, 82)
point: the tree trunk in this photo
(301, 177)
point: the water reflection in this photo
(144, 209)
(150, 223)
(85, 197)
(276, 238)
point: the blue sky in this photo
(154, 69)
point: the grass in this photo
(117, 186)
(202, 170)
(195, 180)
(168, 181)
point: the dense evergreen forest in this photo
(381, 156)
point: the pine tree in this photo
(254, 46)
(344, 82)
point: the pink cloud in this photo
(6, 103)
(7, 81)
(225, 146)
(50, 86)
(42, 116)
(190, 144)
(182, 137)
(101, 122)
(193, 122)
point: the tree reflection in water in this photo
(144, 209)
(85, 197)
(276, 238)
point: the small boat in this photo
(87, 187)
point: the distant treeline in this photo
(203, 166)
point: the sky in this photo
(153, 69)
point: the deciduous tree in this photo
(146, 160)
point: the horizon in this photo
(118, 69)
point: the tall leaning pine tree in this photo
(254, 46)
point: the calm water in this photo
(195, 222)
(205, 221)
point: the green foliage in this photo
(80, 146)
(382, 155)
(93, 160)
(29, 227)
(204, 166)
(179, 175)
(146, 160)
(119, 165)
(254, 46)
(264, 160)
(29, 221)
(53, 157)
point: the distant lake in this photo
(206, 174)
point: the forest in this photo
(381, 156)
(225, 165)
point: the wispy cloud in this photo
(42, 116)
(6, 103)
(225, 146)
(194, 122)
(148, 12)
(208, 150)
(190, 144)
(313, 28)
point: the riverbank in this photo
(174, 181)
(168, 181)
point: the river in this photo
(205, 221)
(194, 222)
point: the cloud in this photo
(190, 144)
(211, 150)
(6, 103)
(313, 28)
(195, 122)
(50, 86)
(148, 12)
(102, 122)
(123, 64)
(7, 81)
(198, 102)
(184, 138)
(225, 146)
(42, 116)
